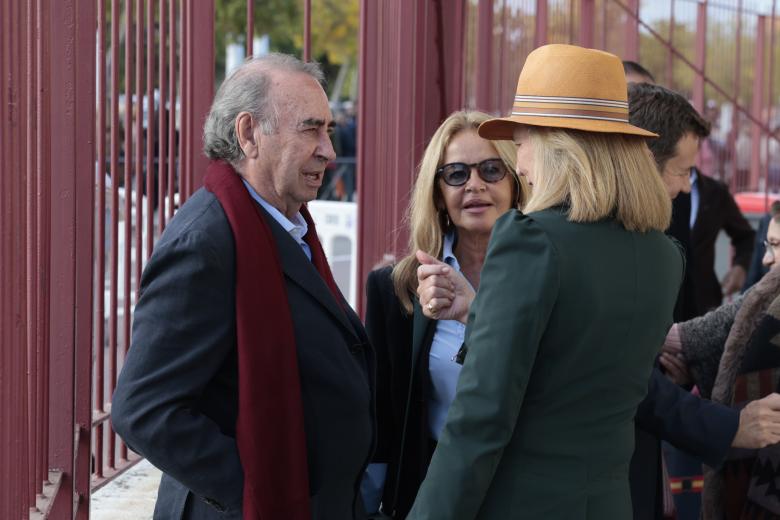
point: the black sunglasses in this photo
(457, 173)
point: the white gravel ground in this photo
(130, 496)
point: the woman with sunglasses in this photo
(575, 299)
(463, 185)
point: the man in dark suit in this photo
(712, 209)
(702, 428)
(249, 381)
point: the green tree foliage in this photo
(334, 32)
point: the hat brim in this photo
(503, 128)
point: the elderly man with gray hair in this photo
(249, 381)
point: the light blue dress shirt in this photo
(297, 227)
(444, 372)
(694, 197)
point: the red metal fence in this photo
(102, 106)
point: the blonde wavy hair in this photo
(598, 176)
(425, 216)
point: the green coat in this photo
(561, 338)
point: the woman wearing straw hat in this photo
(575, 298)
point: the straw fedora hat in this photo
(565, 86)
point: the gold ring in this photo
(430, 307)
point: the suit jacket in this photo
(717, 210)
(686, 306)
(562, 337)
(176, 398)
(698, 426)
(402, 343)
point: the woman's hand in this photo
(444, 293)
(673, 359)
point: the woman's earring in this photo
(446, 218)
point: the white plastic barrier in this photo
(337, 228)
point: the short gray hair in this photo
(248, 89)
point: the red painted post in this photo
(174, 156)
(670, 54)
(540, 29)
(100, 261)
(306, 30)
(138, 162)
(83, 257)
(632, 32)
(14, 503)
(401, 70)
(700, 57)
(771, 135)
(587, 20)
(735, 117)
(759, 81)
(184, 82)
(250, 27)
(484, 67)
(128, 185)
(162, 130)
(151, 136)
(202, 91)
(72, 33)
(32, 256)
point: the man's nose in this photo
(325, 148)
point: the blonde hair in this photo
(598, 176)
(427, 224)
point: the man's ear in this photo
(245, 134)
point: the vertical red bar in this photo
(100, 237)
(32, 255)
(83, 185)
(184, 106)
(541, 27)
(141, 135)
(587, 19)
(44, 217)
(113, 347)
(701, 56)
(770, 93)
(759, 81)
(604, 24)
(202, 90)
(306, 30)
(14, 504)
(484, 77)
(670, 54)
(250, 27)
(162, 131)
(632, 31)
(130, 159)
(27, 314)
(72, 32)
(365, 154)
(151, 136)
(173, 145)
(736, 129)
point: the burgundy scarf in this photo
(270, 428)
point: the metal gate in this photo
(102, 105)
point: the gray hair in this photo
(248, 89)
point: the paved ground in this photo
(130, 497)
